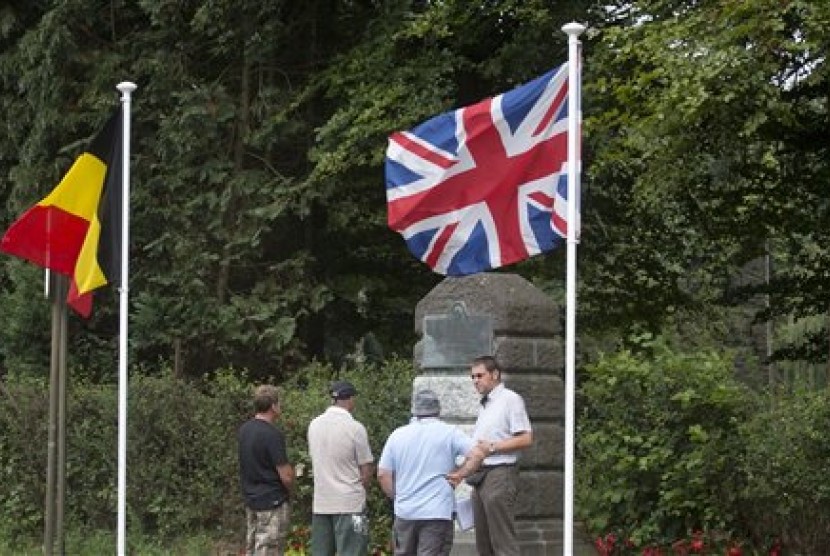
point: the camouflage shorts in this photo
(267, 530)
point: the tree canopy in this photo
(259, 128)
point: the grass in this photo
(103, 542)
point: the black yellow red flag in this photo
(76, 229)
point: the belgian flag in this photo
(76, 229)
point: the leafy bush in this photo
(182, 474)
(786, 466)
(23, 440)
(673, 453)
(657, 445)
(181, 459)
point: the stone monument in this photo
(506, 316)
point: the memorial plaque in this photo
(455, 338)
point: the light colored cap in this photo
(425, 404)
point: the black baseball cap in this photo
(342, 390)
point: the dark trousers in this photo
(494, 512)
(341, 534)
(423, 537)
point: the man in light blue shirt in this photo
(413, 471)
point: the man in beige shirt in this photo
(342, 466)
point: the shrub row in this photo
(672, 449)
(181, 463)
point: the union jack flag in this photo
(485, 185)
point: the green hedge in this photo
(182, 467)
(786, 466)
(674, 452)
(657, 444)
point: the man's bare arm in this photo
(366, 472)
(518, 441)
(472, 461)
(386, 478)
(286, 473)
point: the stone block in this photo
(548, 449)
(537, 537)
(459, 399)
(540, 494)
(516, 306)
(544, 395)
(530, 354)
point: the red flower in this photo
(602, 547)
(734, 551)
(680, 548)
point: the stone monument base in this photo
(506, 316)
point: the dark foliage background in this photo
(258, 215)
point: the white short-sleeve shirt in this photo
(503, 416)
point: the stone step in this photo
(536, 538)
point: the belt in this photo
(498, 465)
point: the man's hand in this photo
(454, 478)
(472, 461)
(484, 447)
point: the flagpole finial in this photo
(573, 28)
(126, 87)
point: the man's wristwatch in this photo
(492, 448)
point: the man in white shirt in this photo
(502, 430)
(341, 461)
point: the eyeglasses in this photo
(477, 375)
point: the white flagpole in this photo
(126, 89)
(574, 127)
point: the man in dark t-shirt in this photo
(266, 476)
